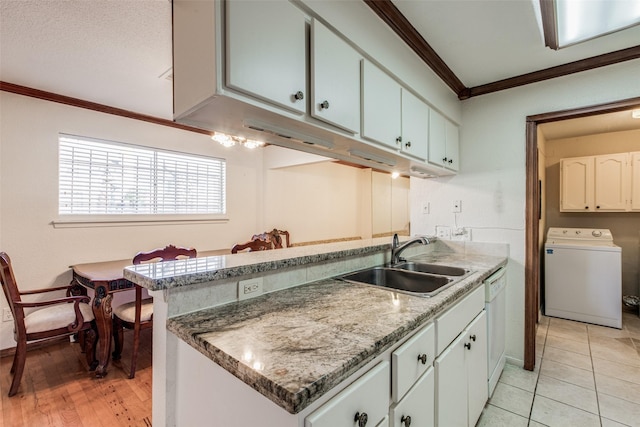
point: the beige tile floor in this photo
(585, 375)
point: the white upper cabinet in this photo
(391, 115)
(415, 125)
(443, 142)
(335, 79)
(597, 183)
(381, 107)
(612, 192)
(576, 184)
(635, 181)
(266, 51)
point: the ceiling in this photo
(117, 52)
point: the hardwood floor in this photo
(58, 390)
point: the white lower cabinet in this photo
(461, 365)
(417, 407)
(365, 402)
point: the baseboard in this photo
(9, 352)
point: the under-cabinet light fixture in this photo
(372, 157)
(289, 134)
(395, 175)
(424, 173)
(635, 114)
(230, 140)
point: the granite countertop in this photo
(296, 344)
(185, 272)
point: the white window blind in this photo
(103, 177)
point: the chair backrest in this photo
(9, 286)
(265, 241)
(167, 253)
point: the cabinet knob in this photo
(467, 346)
(597, 207)
(408, 144)
(450, 161)
(399, 139)
(444, 159)
(586, 207)
(423, 358)
(324, 105)
(361, 418)
(473, 337)
(298, 95)
(405, 420)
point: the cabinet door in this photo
(576, 184)
(611, 182)
(335, 79)
(368, 396)
(415, 125)
(381, 120)
(417, 407)
(437, 139)
(411, 360)
(451, 385)
(635, 181)
(452, 146)
(476, 359)
(266, 51)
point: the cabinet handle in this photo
(408, 144)
(361, 418)
(298, 95)
(405, 420)
(324, 105)
(473, 337)
(423, 358)
(467, 346)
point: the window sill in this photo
(133, 221)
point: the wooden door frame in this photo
(532, 213)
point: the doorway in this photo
(533, 212)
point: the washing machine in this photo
(583, 276)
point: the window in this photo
(107, 178)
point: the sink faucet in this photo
(397, 248)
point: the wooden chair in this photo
(262, 242)
(52, 318)
(138, 314)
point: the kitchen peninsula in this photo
(288, 352)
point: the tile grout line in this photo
(535, 389)
(593, 373)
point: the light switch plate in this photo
(426, 208)
(7, 316)
(457, 206)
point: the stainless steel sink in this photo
(415, 283)
(444, 270)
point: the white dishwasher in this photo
(496, 308)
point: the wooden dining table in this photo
(105, 279)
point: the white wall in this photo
(491, 184)
(41, 254)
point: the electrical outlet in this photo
(457, 206)
(249, 288)
(7, 316)
(443, 232)
(425, 208)
(461, 234)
